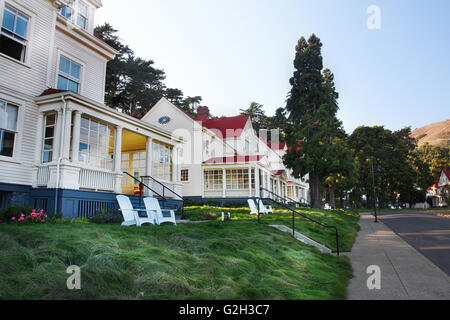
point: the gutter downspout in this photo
(61, 156)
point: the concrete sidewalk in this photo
(405, 273)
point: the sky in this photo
(233, 52)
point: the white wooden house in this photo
(61, 148)
(224, 160)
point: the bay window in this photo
(8, 127)
(69, 76)
(14, 32)
(162, 162)
(238, 179)
(49, 138)
(96, 144)
(213, 180)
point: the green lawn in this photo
(346, 222)
(217, 260)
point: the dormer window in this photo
(69, 76)
(14, 32)
(77, 12)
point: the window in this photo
(77, 12)
(213, 180)
(13, 36)
(162, 162)
(69, 75)
(237, 179)
(8, 127)
(49, 138)
(185, 175)
(96, 144)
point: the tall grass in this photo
(216, 260)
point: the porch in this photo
(86, 147)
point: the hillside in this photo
(436, 134)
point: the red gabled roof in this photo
(447, 172)
(278, 172)
(433, 186)
(229, 127)
(235, 159)
(50, 91)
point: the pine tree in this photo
(312, 106)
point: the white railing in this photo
(43, 176)
(96, 180)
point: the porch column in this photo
(67, 132)
(39, 138)
(279, 187)
(257, 188)
(250, 182)
(58, 133)
(118, 159)
(224, 183)
(148, 157)
(118, 149)
(76, 137)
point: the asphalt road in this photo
(427, 233)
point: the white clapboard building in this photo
(63, 150)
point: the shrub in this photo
(9, 212)
(106, 217)
(33, 217)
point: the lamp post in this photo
(374, 193)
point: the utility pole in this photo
(374, 193)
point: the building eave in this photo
(68, 28)
(70, 96)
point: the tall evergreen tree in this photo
(312, 107)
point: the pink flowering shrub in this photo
(31, 218)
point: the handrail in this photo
(164, 187)
(280, 197)
(161, 196)
(141, 183)
(302, 215)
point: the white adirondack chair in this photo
(131, 215)
(262, 208)
(162, 216)
(253, 208)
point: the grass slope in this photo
(215, 260)
(346, 222)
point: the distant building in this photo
(439, 190)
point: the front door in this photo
(134, 163)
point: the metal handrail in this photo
(141, 183)
(280, 197)
(164, 186)
(302, 215)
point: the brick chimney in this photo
(203, 113)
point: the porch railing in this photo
(97, 180)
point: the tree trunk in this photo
(316, 201)
(332, 198)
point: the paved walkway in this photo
(405, 273)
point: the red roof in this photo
(447, 172)
(229, 127)
(278, 172)
(234, 159)
(51, 91)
